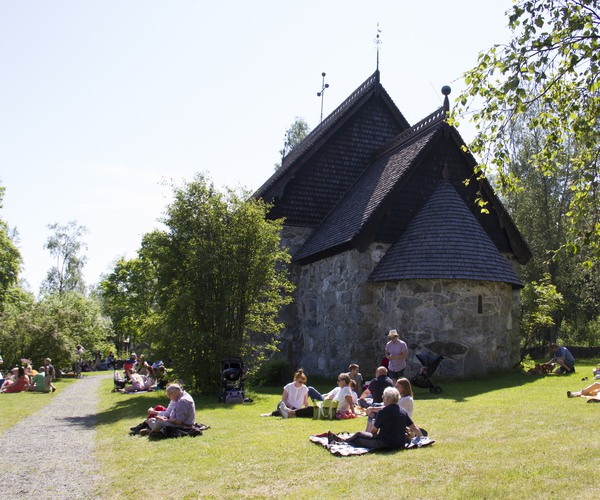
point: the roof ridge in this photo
(438, 116)
(330, 119)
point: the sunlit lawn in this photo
(509, 436)
(16, 407)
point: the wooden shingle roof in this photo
(318, 172)
(445, 241)
(368, 198)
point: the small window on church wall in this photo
(479, 304)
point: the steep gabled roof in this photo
(445, 240)
(372, 194)
(316, 174)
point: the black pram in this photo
(232, 377)
(430, 364)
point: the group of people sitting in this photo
(389, 406)
(25, 378)
(141, 375)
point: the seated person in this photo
(563, 358)
(20, 382)
(357, 377)
(591, 391)
(376, 388)
(295, 395)
(406, 401)
(181, 412)
(389, 429)
(38, 382)
(342, 394)
(131, 363)
(138, 382)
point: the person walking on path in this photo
(61, 438)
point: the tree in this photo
(51, 327)
(65, 246)
(294, 135)
(552, 63)
(128, 295)
(10, 258)
(221, 280)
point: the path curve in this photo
(50, 454)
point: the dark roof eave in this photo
(513, 284)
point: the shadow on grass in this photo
(461, 390)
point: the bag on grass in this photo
(326, 410)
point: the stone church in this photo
(385, 233)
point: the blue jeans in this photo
(314, 394)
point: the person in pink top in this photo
(396, 351)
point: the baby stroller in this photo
(232, 378)
(430, 364)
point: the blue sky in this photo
(103, 103)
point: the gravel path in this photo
(50, 453)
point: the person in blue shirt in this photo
(563, 358)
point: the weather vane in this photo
(377, 44)
(322, 93)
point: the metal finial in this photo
(377, 44)
(322, 93)
(446, 91)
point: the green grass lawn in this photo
(16, 407)
(508, 436)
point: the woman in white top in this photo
(294, 397)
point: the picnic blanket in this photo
(346, 449)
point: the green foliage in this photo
(10, 258)
(128, 298)
(551, 65)
(294, 135)
(587, 335)
(221, 281)
(540, 302)
(274, 372)
(65, 246)
(51, 327)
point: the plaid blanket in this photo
(346, 449)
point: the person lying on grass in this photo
(389, 429)
(592, 392)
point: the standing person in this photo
(50, 375)
(357, 377)
(396, 351)
(563, 358)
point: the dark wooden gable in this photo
(317, 174)
(397, 184)
(445, 241)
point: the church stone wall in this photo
(338, 317)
